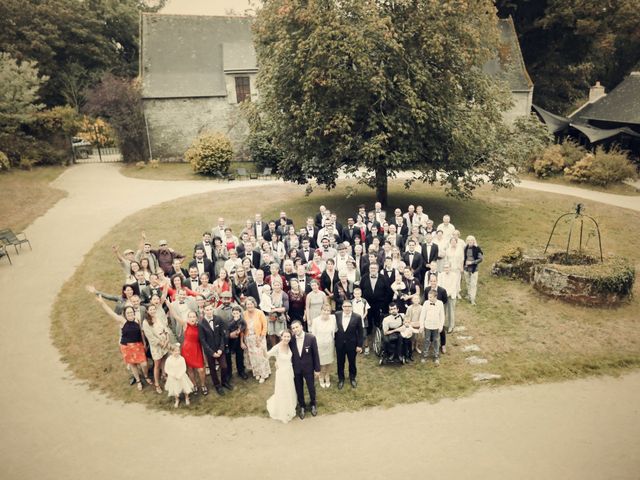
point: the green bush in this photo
(210, 154)
(602, 168)
(550, 163)
(263, 152)
(572, 152)
(5, 164)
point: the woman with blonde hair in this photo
(472, 257)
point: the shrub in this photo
(550, 163)
(572, 152)
(263, 152)
(602, 168)
(5, 164)
(210, 154)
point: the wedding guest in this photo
(315, 300)
(432, 323)
(472, 257)
(349, 339)
(178, 381)
(324, 329)
(450, 282)
(413, 316)
(131, 342)
(191, 348)
(443, 296)
(254, 340)
(243, 286)
(361, 307)
(160, 338)
(278, 314)
(236, 329)
(297, 301)
(213, 338)
(220, 285)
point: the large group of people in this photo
(310, 296)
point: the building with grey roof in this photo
(195, 70)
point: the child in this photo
(407, 334)
(266, 305)
(432, 321)
(177, 379)
(361, 307)
(413, 315)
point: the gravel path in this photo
(53, 427)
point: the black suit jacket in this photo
(433, 256)
(418, 262)
(352, 337)
(350, 235)
(214, 339)
(309, 361)
(209, 267)
(201, 245)
(441, 294)
(302, 257)
(381, 295)
(248, 289)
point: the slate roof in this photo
(186, 55)
(620, 105)
(509, 64)
(557, 123)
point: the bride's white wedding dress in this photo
(282, 404)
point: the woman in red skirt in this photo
(191, 348)
(131, 341)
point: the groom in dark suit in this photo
(306, 366)
(349, 341)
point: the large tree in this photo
(73, 41)
(374, 87)
(569, 44)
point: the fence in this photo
(98, 155)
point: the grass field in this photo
(177, 171)
(526, 338)
(27, 195)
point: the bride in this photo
(282, 404)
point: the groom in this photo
(306, 366)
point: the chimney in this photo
(596, 92)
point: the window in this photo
(243, 90)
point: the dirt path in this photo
(54, 428)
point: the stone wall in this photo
(521, 106)
(175, 122)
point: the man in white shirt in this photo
(447, 228)
(391, 339)
(432, 322)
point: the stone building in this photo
(195, 70)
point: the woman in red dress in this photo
(191, 349)
(221, 284)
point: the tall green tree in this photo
(373, 87)
(569, 44)
(74, 42)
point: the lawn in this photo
(525, 337)
(27, 195)
(177, 171)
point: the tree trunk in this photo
(381, 185)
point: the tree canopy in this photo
(373, 87)
(569, 44)
(74, 42)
